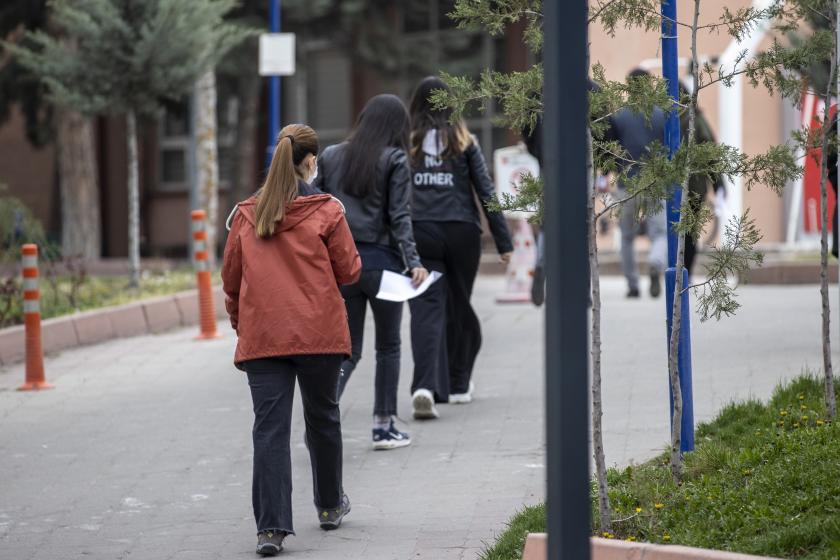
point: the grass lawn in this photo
(59, 297)
(764, 479)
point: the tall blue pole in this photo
(670, 71)
(273, 88)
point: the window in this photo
(432, 43)
(174, 147)
(175, 142)
(330, 96)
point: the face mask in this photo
(314, 173)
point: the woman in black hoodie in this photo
(369, 174)
(448, 171)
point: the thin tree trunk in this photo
(830, 404)
(246, 139)
(207, 156)
(676, 311)
(78, 183)
(133, 201)
(604, 509)
(78, 180)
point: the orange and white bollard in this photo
(201, 254)
(35, 380)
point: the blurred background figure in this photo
(635, 134)
(698, 185)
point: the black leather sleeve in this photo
(399, 208)
(485, 189)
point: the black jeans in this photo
(387, 316)
(445, 331)
(272, 382)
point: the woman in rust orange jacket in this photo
(286, 255)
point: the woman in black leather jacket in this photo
(370, 175)
(448, 171)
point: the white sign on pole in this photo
(277, 54)
(509, 165)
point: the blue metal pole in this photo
(670, 72)
(273, 88)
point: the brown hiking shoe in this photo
(331, 518)
(270, 543)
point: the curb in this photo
(148, 316)
(536, 548)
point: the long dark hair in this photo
(425, 117)
(383, 123)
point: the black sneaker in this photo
(331, 518)
(655, 283)
(390, 438)
(633, 293)
(270, 543)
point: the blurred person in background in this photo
(285, 257)
(635, 132)
(448, 172)
(698, 184)
(832, 179)
(370, 174)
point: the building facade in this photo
(331, 84)
(336, 74)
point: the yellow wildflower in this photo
(796, 424)
(638, 510)
(820, 422)
(801, 397)
(659, 506)
(666, 537)
(783, 413)
(631, 539)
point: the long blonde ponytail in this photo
(294, 143)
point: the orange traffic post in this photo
(35, 380)
(201, 256)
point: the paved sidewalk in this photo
(143, 449)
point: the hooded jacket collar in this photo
(296, 211)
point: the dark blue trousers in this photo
(272, 382)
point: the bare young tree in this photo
(207, 156)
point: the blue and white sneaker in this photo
(390, 438)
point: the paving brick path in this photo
(143, 449)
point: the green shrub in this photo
(17, 226)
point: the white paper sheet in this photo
(396, 287)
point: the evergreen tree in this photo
(128, 57)
(72, 132)
(520, 96)
(819, 74)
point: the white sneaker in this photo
(462, 398)
(423, 402)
